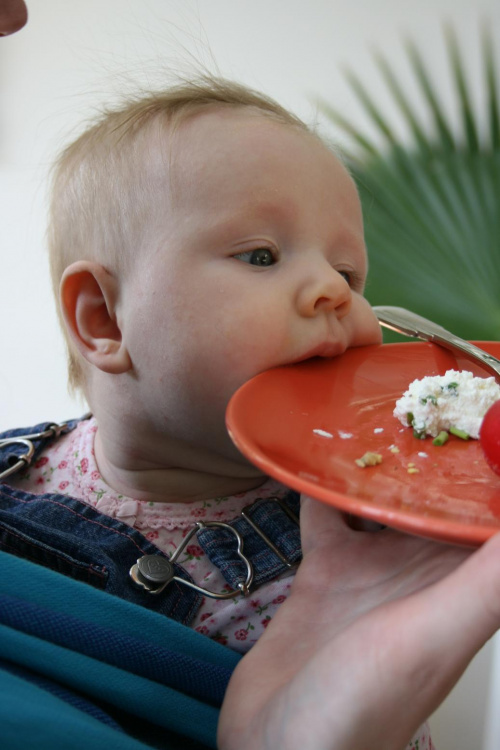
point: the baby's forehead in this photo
(237, 161)
(232, 158)
(216, 118)
(218, 132)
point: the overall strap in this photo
(20, 447)
(271, 541)
(257, 547)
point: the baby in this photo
(198, 237)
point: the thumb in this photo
(318, 518)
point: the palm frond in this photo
(491, 88)
(403, 103)
(467, 112)
(446, 140)
(432, 201)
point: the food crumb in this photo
(344, 435)
(394, 449)
(369, 459)
(412, 470)
(323, 433)
(423, 454)
(378, 429)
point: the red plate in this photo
(282, 419)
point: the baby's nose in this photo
(327, 292)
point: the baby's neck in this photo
(144, 477)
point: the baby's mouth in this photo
(325, 350)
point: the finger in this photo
(362, 524)
(318, 519)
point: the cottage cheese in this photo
(456, 399)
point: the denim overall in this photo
(68, 536)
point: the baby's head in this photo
(199, 237)
(110, 186)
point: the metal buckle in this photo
(53, 430)
(154, 572)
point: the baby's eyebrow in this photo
(244, 220)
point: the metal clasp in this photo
(25, 459)
(154, 572)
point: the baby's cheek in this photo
(366, 328)
(376, 332)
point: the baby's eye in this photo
(347, 276)
(262, 256)
(354, 279)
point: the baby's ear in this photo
(88, 295)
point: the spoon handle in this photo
(410, 324)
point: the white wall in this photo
(74, 55)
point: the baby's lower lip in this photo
(325, 351)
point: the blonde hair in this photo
(105, 188)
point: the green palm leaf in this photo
(432, 208)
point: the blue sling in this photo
(80, 668)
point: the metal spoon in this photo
(410, 324)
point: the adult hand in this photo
(376, 631)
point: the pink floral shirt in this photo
(69, 467)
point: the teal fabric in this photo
(31, 716)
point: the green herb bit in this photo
(453, 385)
(409, 419)
(441, 439)
(430, 398)
(459, 433)
(419, 434)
